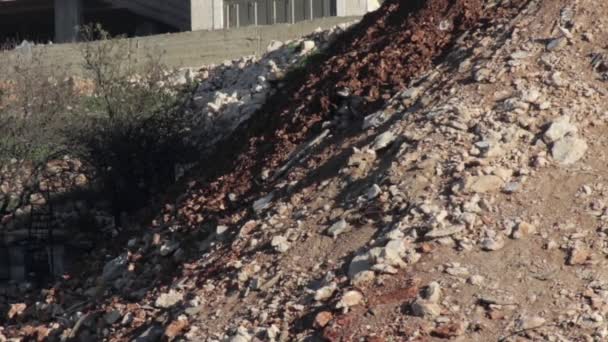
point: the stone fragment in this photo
(307, 46)
(16, 310)
(527, 322)
(280, 244)
(569, 150)
(169, 299)
(559, 129)
(325, 292)
(523, 229)
(382, 141)
(476, 280)
(454, 269)
(424, 308)
(484, 184)
(168, 248)
(361, 262)
(436, 233)
(557, 43)
(578, 255)
(112, 317)
(492, 243)
(432, 292)
(114, 268)
(338, 228)
(175, 329)
(373, 192)
(363, 278)
(322, 319)
(350, 299)
(263, 203)
(242, 335)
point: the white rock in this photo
(476, 280)
(363, 278)
(529, 322)
(242, 335)
(569, 150)
(373, 192)
(492, 243)
(325, 292)
(393, 253)
(432, 292)
(169, 299)
(523, 229)
(307, 46)
(382, 141)
(280, 244)
(338, 228)
(385, 269)
(274, 45)
(559, 129)
(350, 299)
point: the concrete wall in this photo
(193, 49)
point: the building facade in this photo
(34, 19)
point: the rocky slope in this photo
(438, 173)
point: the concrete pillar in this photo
(345, 8)
(68, 18)
(207, 14)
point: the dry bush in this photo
(131, 131)
(35, 104)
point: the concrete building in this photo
(58, 20)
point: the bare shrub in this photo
(131, 131)
(35, 104)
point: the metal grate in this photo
(39, 252)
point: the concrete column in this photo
(207, 14)
(68, 18)
(345, 8)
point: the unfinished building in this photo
(58, 20)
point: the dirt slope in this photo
(469, 207)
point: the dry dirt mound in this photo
(470, 207)
(362, 70)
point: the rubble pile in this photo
(461, 199)
(230, 93)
